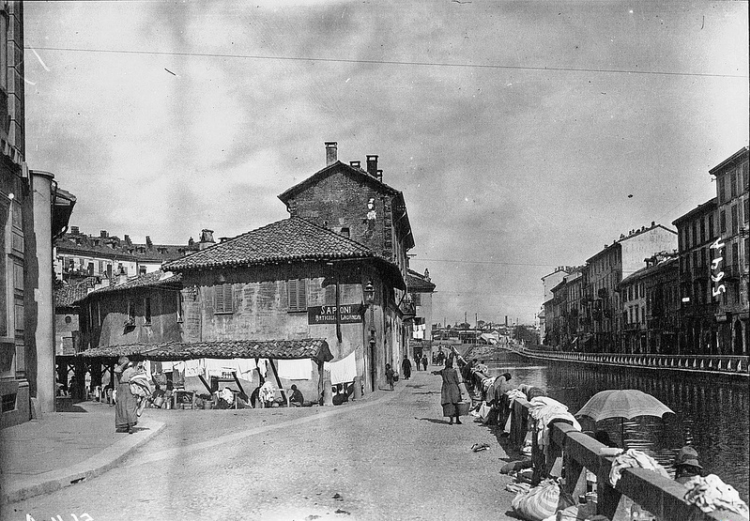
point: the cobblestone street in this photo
(390, 456)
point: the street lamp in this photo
(370, 295)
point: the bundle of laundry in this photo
(541, 502)
(711, 493)
(140, 385)
(634, 459)
(545, 410)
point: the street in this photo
(389, 456)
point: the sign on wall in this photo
(348, 314)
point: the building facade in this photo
(606, 269)
(33, 210)
(730, 256)
(696, 231)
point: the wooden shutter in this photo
(297, 295)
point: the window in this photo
(131, 311)
(735, 220)
(695, 233)
(180, 307)
(147, 310)
(223, 298)
(711, 230)
(745, 180)
(747, 210)
(732, 184)
(297, 294)
(736, 254)
(142, 270)
(720, 188)
(703, 230)
(722, 221)
(91, 268)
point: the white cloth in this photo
(193, 368)
(296, 369)
(544, 410)
(267, 392)
(634, 459)
(343, 370)
(711, 493)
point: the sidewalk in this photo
(64, 448)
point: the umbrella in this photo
(623, 403)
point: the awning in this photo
(314, 348)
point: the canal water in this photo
(711, 415)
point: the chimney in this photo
(74, 230)
(379, 175)
(128, 241)
(355, 164)
(372, 165)
(103, 234)
(149, 244)
(207, 239)
(331, 152)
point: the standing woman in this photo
(126, 408)
(450, 394)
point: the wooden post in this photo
(276, 375)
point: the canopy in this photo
(314, 348)
(623, 403)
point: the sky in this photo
(524, 135)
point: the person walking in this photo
(424, 362)
(450, 393)
(126, 408)
(389, 375)
(406, 367)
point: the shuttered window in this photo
(223, 298)
(297, 294)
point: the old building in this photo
(79, 255)
(321, 288)
(549, 281)
(420, 288)
(696, 231)
(33, 210)
(607, 268)
(651, 306)
(730, 256)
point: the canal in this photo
(712, 415)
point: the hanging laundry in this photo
(343, 370)
(296, 369)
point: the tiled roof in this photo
(315, 348)
(156, 278)
(114, 247)
(644, 272)
(418, 283)
(70, 293)
(292, 239)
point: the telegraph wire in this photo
(390, 62)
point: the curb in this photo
(96, 465)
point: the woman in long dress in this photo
(126, 408)
(450, 393)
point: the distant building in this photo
(420, 288)
(732, 257)
(650, 307)
(78, 255)
(696, 231)
(549, 281)
(607, 268)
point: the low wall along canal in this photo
(712, 413)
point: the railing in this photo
(576, 452)
(725, 364)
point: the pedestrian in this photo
(450, 393)
(389, 375)
(126, 408)
(406, 367)
(296, 399)
(686, 465)
(498, 399)
(424, 362)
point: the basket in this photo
(463, 407)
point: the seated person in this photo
(224, 399)
(343, 391)
(687, 466)
(266, 394)
(296, 399)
